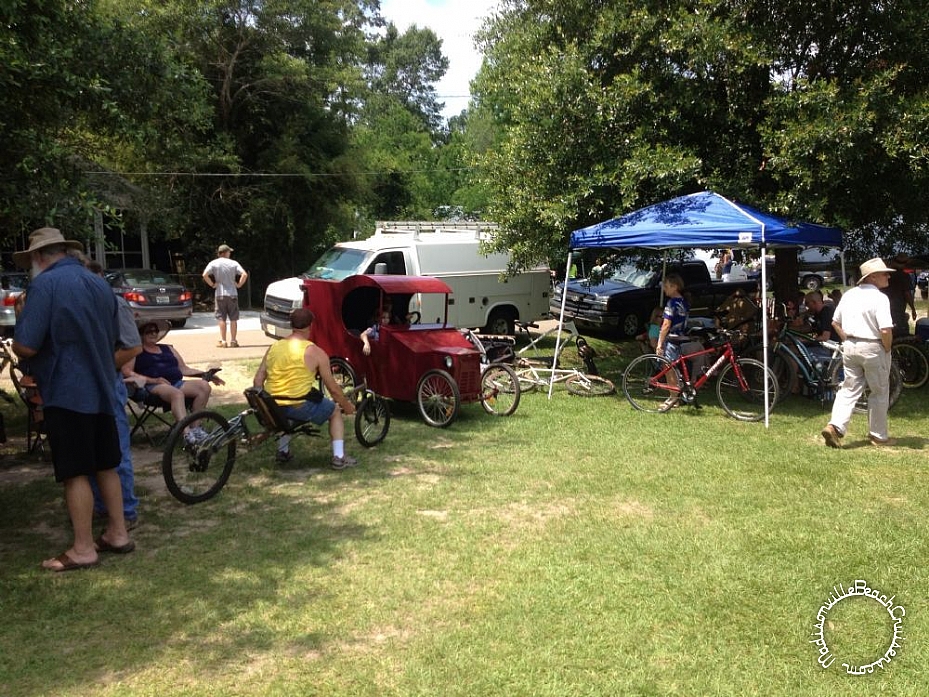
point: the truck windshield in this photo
(640, 278)
(337, 264)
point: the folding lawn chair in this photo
(148, 410)
(35, 420)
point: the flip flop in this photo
(68, 564)
(104, 546)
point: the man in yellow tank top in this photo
(290, 367)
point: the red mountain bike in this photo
(655, 384)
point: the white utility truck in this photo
(483, 296)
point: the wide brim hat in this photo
(875, 265)
(38, 239)
(162, 325)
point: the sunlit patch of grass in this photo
(575, 547)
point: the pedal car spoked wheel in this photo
(500, 391)
(195, 472)
(644, 391)
(438, 398)
(746, 404)
(861, 406)
(343, 373)
(372, 420)
(589, 386)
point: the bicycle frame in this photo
(725, 356)
(563, 332)
(796, 351)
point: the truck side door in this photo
(395, 261)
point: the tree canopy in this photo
(810, 109)
(276, 127)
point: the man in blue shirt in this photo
(66, 337)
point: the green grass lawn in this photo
(576, 548)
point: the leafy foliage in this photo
(805, 108)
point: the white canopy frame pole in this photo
(564, 299)
(764, 305)
(764, 327)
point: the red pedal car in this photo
(431, 364)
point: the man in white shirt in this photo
(864, 324)
(226, 276)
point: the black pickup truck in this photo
(623, 300)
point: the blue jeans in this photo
(124, 470)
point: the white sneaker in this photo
(340, 463)
(195, 435)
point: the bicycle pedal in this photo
(258, 438)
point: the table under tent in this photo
(703, 220)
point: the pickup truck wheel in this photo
(501, 321)
(812, 282)
(629, 325)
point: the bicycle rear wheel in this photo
(861, 406)
(195, 472)
(589, 386)
(343, 373)
(784, 368)
(745, 399)
(500, 391)
(913, 363)
(645, 383)
(372, 420)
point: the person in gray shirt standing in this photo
(226, 276)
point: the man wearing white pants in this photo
(864, 324)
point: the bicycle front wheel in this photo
(589, 386)
(744, 399)
(196, 471)
(500, 391)
(372, 420)
(913, 363)
(646, 386)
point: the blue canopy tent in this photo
(705, 220)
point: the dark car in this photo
(152, 295)
(620, 300)
(12, 284)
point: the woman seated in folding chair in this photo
(160, 371)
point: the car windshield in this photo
(337, 264)
(641, 278)
(144, 277)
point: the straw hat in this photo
(162, 325)
(875, 265)
(38, 239)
